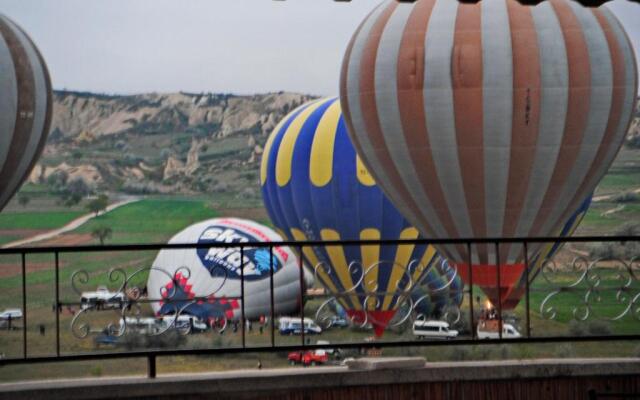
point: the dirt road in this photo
(75, 224)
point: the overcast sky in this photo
(238, 46)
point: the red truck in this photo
(307, 358)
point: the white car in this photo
(13, 313)
(508, 332)
(102, 298)
(433, 330)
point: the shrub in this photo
(626, 197)
(577, 328)
(602, 250)
(459, 353)
(599, 327)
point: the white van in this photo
(293, 326)
(13, 313)
(144, 326)
(508, 332)
(185, 322)
(102, 299)
(433, 330)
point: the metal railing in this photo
(585, 273)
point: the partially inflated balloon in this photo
(214, 274)
(25, 107)
(315, 187)
(488, 120)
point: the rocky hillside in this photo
(169, 143)
(633, 139)
(175, 142)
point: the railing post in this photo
(242, 315)
(24, 305)
(151, 366)
(499, 290)
(302, 288)
(57, 305)
(273, 310)
(473, 322)
(527, 304)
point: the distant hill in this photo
(173, 142)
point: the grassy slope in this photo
(37, 220)
(150, 220)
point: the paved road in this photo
(76, 223)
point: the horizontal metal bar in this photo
(159, 246)
(268, 349)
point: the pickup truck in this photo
(307, 358)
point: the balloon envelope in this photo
(488, 120)
(177, 276)
(25, 107)
(315, 187)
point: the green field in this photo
(37, 220)
(150, 220)
(156, 218)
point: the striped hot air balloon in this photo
(25, 107)
(492, 119)
(315, 187)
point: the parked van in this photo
(13, 313)
(144, 326)
(185, 322)
(490, 330)
(433, 330)
(293, 326)
(102, 298)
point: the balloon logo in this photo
(488, 120)
(25, 106)
(226, 262)
(315, 187)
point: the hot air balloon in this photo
(25, 107)
(488, 120)
(315, 187)
(213, 275)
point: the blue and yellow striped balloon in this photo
(315, 187)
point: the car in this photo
(13, 313)
(102, 299)
(307, 358)
(293, 326)
(490, 330)
(433, 330)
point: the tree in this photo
(23, 199)
(75, 191)
(98, 204)
(101, 233)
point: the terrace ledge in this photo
(257, 383)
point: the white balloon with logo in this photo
(206, 282)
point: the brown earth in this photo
(21, 232)
(12, 269)
(68, 239)
(248, 213)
